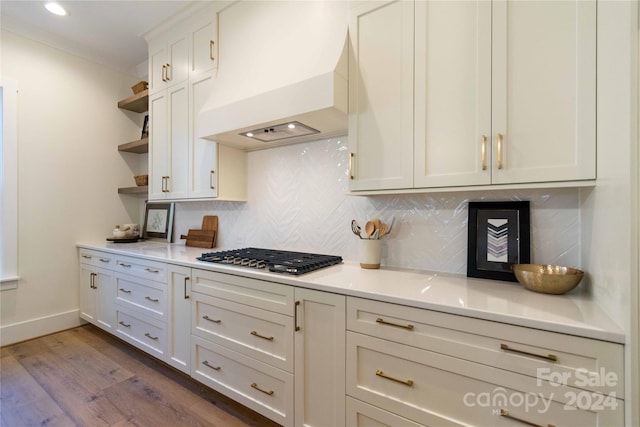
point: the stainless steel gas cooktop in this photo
(288, 262)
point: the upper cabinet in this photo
(182, 70)
(168, 60)
(504, 93)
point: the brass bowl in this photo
(547, 279)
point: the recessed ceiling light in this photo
(56, 9)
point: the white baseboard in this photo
(34, 328)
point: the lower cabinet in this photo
(179, 320)
(302, 357)
(319, 358)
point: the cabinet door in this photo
(157, 66)
(381, 95)
(543, 91)
(453, 93)
(319, 358)
(203, 160)
(178, 115)
(88, 300)
(204, 44)
(177, 58)
(179, 328)
(158, 146)
(105, 299)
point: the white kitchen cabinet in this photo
(436, 369)
(452, 93)
(203, 41)
(381, 95)
(179, 318)
(543, 91)
(169, 143)
(168, 60)
(504, 94)
(319, 358)
(97, 296)
(215, 171)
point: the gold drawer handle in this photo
(351, 156)
(151, 299)
(407, 382)
(484, 152)
(125, 265)
(126, 291)
(104, 259)
(125, 324)
(499, 151)
(86, 256)
(211, 44)
(255, 334)
(384, 322)
(254, 385)
(205, 317)
(208, 365)
(150, 270)
(148, 335)
(551, 357)
(505, 413)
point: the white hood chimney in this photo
(282, 74)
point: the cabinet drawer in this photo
(579, 362)
(261, 334)
(432, 388)
(360, 414)
(145, 296)
(261, 387)
(145, 333)
(98, 259)
(256, 293)
(142, 268)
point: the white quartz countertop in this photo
(498, 301)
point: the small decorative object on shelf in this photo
(370, 243)
(139, 87)
(145, 127)
(141, 180)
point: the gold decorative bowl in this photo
(547, 279)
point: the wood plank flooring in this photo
(86, 377)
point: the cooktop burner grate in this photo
(295, 263)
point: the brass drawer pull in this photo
(484, 152)
(211, 44)
(254, 385)
(499, 151)
(148, 335)
(505, 413)
(126, 291)
(104, 260)
(86, 256)
(205, 317)
(92, 280)
(384, 322)
(407, 382)
(151, 270)
(185, 288)
(126, 325)
(295, 315)
(255, 334)
(351, 156)
(208, 365)
(125, 265)
(551, 357)
(151, 299)
(169, 76)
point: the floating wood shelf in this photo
(134, 191)
(139, 146)
(138, 103)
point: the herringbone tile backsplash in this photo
(298, 201)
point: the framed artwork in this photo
(145, 127)
(498, 238)
(158, 222)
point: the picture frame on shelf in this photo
(499, 236)
(158, 222)
(145, 128)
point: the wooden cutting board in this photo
(210, 222)
(200, 238)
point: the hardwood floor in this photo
(86, 377)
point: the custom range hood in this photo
(282, 74)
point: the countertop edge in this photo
(611, 333)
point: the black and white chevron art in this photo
(497, 240)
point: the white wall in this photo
(69, 170)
